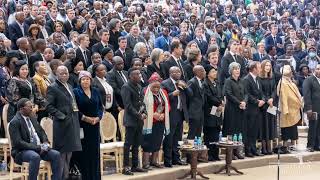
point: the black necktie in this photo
(124, 79)
(85, 57)
(180, 66)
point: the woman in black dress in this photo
(212, 122)
(236, 100)
(269, 126)
(157, 58)
(20, 86)
(91, 111)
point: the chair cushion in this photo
(119, 144)
(108, 146)
(4, 141)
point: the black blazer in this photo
(169, 87)
(67, 28)
(213, 96)
(58, 50)
(129, 56)
(98, 47)
(311, 96)
(153, 68)
(34, 58)
(15, 33)
(203, 46)
(133, 96)
(29, 21)
(196, 99)
(20, 135)
(254, 93)
(80, 57)
(224, 69)
(114, 79)
(96, 83)
(171, 62)
(50, 26)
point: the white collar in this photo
(253, 76)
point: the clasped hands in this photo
(158, 116)
(90, 120)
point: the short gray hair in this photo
(155, 54)
(233, 66)
(137, 47)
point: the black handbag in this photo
(74, 173)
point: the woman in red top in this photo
(157, 121)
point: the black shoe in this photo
(316, 149)
(168, 165)
(284, 150)
(249, 155)
(217, 158)
(147, 167)
(156, 165)
(238, 155)
(310, 149)
(180, 163)
(256, 153)
(234, 157)
(138, 169)
(127, 171)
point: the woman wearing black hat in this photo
(212, 122)
(20, 86)
(74, 67)
(107, 55)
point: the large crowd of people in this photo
(164, 63)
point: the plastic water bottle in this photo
(240, 139)
(199, 143)
(241, 144)
(235, 138)
(220, 136)
(3, 168)
(195, 143)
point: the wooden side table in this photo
(194, 162)
(229, 153)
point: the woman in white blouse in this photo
(106, 91)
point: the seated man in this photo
(30, 142)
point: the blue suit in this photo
(163, 43)
(203, 46)
(257, 57)
(269, 41)
(15, 33)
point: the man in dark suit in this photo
(256, 100)
(82, 53)
(274, 40)
(307, 19)
(269, 17)
(17, 29)
(51, 20)
(196, 101)
(116, 78)
(134, 37)
(125, 53)
(260, 54)
(228, 59)
(57, 46)
(30, 143)
(178, 113)
(62, 106)
(202, 43)
(175, 60)
(23, 45)
(33, 13)
(40, 45)
(104, 36)
(236, 19)
(67, 26)
(134, 115)
(311, 96)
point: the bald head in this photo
(62, 74)
(175, 73)
(199, 71)
(118, 63)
